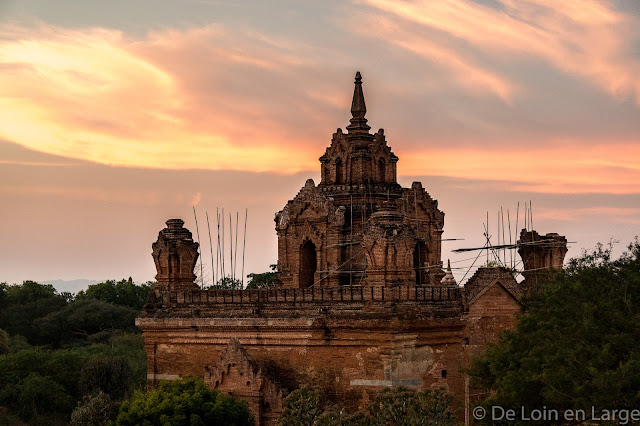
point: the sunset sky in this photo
(117, 116)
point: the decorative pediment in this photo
(309, 202)
(418, 200)
(236, 372)
(485, 278)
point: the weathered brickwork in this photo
(539, 254)
(175, 255)
(358, 226)
(363, 302)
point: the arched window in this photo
(419, 261)
(339, 172)
(382, 170)
(308, 264)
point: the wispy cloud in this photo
(457, 69)
(229, 97)
(586, 38)
(567, 167)
(629, 215)
(96, 94)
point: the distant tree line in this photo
(80, 360)
(57, 350)
(255, 281)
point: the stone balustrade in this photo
(308, 295)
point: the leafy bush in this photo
(94, 410)
(108, 374)
(21, 305)
(398, 406)
(123, 292)
(576, 347)
(186, 401)
(79, 320)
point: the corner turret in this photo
(539, 254)
(175, 255)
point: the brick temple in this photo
(358, 226)
(363, 301)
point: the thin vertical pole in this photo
(213, 271)
(510, 243)
(244, 243)
(199, 248)
(231, 250)
(531, 214)
(487, 232)
(224, 272)
(504, 251)
(498, 230)
(218, 265)
(235, 255)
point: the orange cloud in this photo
(580, 37)
(567, 167)
(97, 95)
(460, 70)
(629, 215)
(117, 196)
(215, 98)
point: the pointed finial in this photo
(358, 108)
(448, 277)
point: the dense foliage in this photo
(576, 346)
(56, 351)
(399, 407)
(227, 283)
(263, 280)
(123, 292)
(96, 409)
(186, 401)
(21, 305)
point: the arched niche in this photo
(308, 264)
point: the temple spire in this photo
(358, 108)
(448, 277)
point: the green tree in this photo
(228, 283)
(405, 407)
(263, 280)
(303, 407)
(41, 396)
(36, 382)
(83, 319)
(131, 346)
(337, 416)
(5, 342)
(575, 347)
(123, 292)
(186, 401)
(398, 406)
(94, 410)
(21, 305)
(109, 374)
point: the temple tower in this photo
(175, 255)
(358, 226)
(539, 254)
